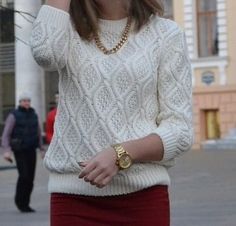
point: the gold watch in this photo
(124, 160)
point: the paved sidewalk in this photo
(9, 215)
(203, 192)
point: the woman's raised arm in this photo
(51, 34)
(60, 4)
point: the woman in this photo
(124, 110)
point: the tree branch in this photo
(18, 11)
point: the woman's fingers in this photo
(87, 169)
(97, 176)
(100, 169)
(99, 179)
(83, 164)
(104, 182)
(94, 174)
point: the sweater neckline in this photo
(112, 25)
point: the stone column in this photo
(1, 96)
(29, 77)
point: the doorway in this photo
(212, 124)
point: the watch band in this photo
(122, 153)
(119, 150)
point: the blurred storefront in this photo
(211, 38)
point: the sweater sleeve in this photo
(7, 132)
(175, 97)
(50, 37)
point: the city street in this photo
(202, 192)
(126, 69)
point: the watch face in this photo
(125, 161)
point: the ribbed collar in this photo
(113, 25)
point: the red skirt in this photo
(149, 207)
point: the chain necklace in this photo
(123, 40)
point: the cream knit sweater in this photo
(144, 88)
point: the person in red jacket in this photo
(50, 121)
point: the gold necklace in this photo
(123, 40)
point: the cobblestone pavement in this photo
(203, 192)
(9, 215)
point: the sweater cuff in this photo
(169, 142)
(53, 16)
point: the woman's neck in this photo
(113, 9)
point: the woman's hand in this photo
(100, 170)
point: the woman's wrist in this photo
(149, 148)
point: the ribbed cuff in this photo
(169, 142)
(53, 16)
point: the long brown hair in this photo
(85, 14)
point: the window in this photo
(6, 25)
(168, 8)
(7, 78)
(7, 96)
(207, 28)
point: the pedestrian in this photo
(22, 136)
(50, 121)
(124, 111)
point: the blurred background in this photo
(211, 37)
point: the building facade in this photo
(7, 59)
(18, 71)
(211, 39)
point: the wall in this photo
(231, 18)
(215, 98)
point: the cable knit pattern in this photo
(144, 88)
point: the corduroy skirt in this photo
(149, 207)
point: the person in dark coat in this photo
(22, 136)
